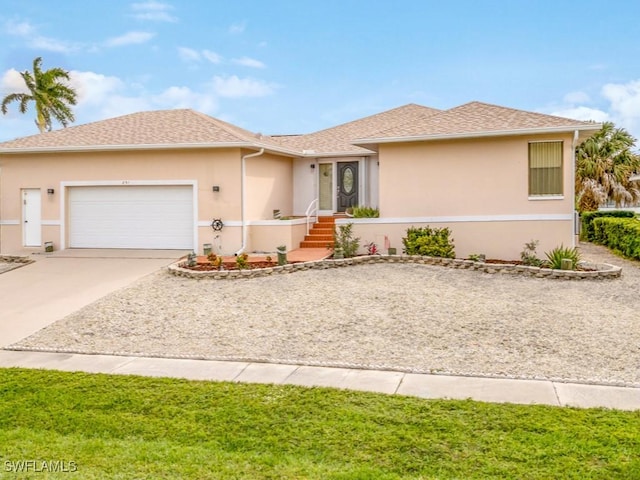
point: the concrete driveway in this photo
(38, 294)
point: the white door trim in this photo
(101, 183)
(31, 217)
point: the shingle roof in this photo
(154, 128)
(338, 140)
(176, 128)
(475, 118)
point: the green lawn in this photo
(133, 427)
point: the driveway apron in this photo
(36, 295)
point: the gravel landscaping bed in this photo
(407, 317)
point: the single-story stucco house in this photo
(497, 177)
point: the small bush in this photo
(560, 253)
(365, 212)
(242, 261)
(529, 256)
(344, 240)
(432, 242)
(620, 234)
(587, 232)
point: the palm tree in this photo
(604, 166)
(52, 96)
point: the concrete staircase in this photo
(321, 234)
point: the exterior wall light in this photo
(216, 188)
(50, 191)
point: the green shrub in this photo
(365, 212)
(558, 254)
(619, 234)
(587, 232)
(432, 242)
(343, 239)
(528, 254)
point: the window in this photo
(545, 168)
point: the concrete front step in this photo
(321, 231)
(318, 237)
(316, 244)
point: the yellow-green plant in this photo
(556, 256)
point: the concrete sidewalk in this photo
(419, 385)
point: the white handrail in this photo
(311, 209)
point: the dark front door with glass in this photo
(347, 185)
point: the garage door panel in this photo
(131, 217)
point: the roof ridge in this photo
(368, 117)
(240, 132)
(516, 110)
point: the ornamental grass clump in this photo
(563, 258)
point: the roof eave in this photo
(361, 142)
(365, 152)
(138, 147)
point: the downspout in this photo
(576, 219)
(1, 204)
(243, 201)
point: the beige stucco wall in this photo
(266, 238)
(465, 177)
(269, 186)
(478, 189)
(269, 183)
(497, 239)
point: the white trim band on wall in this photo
(463, 219)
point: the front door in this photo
(347, 185)
(31, 217)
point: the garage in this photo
(131, 216)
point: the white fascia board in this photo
(339, 154)
(169, 146)
(108, 148)
(492, 133)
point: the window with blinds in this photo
(545, 168)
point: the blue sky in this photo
(282, 66)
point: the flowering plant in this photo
(372, 248)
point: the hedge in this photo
(587, 232)
(620, 234)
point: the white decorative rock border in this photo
(601, 270)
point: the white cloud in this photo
(12, 82)
(235, 87)
(94, 88)
(19, 29)
(576, 97)
(616, 102)
(129, 38)
(583, 113)
(213, 57)
(624, 98)
(188, 54)
(153, 11)
(184, 97)
(249, 62)
(29, 33)
(237, 28)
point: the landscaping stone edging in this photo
(15, 259)
(603, 270)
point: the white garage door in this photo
(150, 217)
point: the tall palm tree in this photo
(52, 96)
(604, 165)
